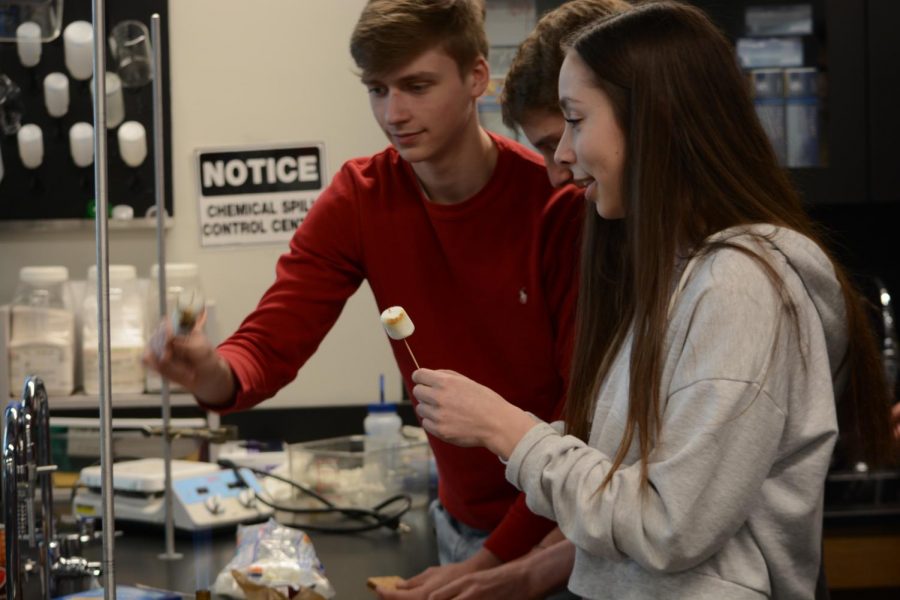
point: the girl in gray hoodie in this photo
(719, 345)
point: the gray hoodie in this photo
(733, 509)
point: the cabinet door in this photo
(854, 44)
(842, 178)
(884, 100)
(836, 48)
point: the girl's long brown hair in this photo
(698, 162)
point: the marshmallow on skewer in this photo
(188, 308)
(399, 326)
(397, 323)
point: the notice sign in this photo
(258, 195)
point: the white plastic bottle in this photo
(42, 336)
(126, 332)
(382, 426)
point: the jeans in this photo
(457, 541)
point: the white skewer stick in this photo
(413, 356)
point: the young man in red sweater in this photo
(530, 102)
(459, 226)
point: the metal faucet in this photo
(27, 465)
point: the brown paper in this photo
(257, 591)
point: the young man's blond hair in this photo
(390, 33)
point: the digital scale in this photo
(204, 496)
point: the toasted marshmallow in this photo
(397, 323)
(188, 308)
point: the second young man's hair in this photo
(531, 83)
(698, 162)
(391, 33)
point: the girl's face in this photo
(592, 141)
(544, 129)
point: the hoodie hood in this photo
(815, 270)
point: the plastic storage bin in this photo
(126, 332)
(42, 331)
(346, 473)
(768, 100)
(802, 117)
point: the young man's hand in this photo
(192, 362)
(531, 577)
(425, 584)
(506, 582)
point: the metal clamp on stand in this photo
(211, 435)
(26, 466)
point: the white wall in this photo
(250, 73)
(268, 71)
(274, 71)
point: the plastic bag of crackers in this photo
(273, 562)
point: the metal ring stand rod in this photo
(102, 231)
(160, 177)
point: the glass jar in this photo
(46, 14)
(42, 330)
(126, 332)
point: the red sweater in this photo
(490, 284)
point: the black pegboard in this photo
(59, 189)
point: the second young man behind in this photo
(459, 226)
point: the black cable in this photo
(379, 519)
(230, 465)
(391, 521)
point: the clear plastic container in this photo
(349, 473)
(127, 323)
(47, 14)
(181, 278)
(42, 335)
